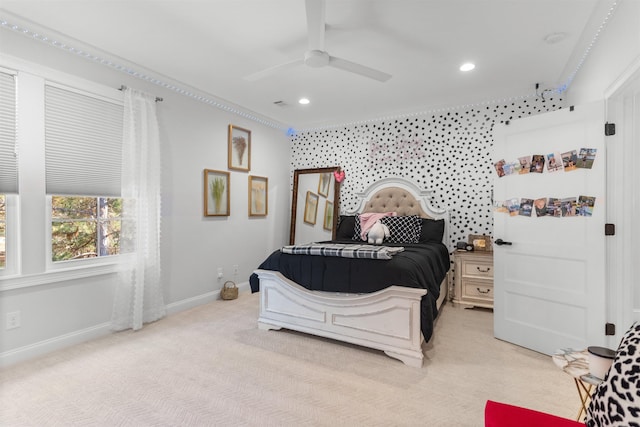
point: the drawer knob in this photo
(484, 271)
(483, 292)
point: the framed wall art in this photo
(239, 149)
(216, 193)
(258, 196)
(311, 208)
(324, 182)
(480, 242)
(327, 224)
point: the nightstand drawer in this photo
(479, 269)
(477, 290)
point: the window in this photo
(8, 157)
(3, 231)
(83, 152)
(85, 227)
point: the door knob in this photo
(501, 242)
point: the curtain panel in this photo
(139, 295)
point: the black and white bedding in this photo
(343, 250)
(421, 265)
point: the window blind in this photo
(8, 148)
(83, 143)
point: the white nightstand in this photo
(473, 283)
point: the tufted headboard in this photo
(394, 199)
(398, 195)
(403, 197)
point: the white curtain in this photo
(139, 295)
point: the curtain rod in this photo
(158, 99)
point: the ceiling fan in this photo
(316, 56)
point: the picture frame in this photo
(327, 224)
(258, 196)
(480, 242)
(216, 193)
(324, 182)
(239, 149)
(311, 208)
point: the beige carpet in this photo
(212, 366)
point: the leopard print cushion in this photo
(616, 400)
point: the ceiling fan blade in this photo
(362, 70)
(273, 70)
(315, 23)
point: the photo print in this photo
(524, 164)
(585, 205)
(554, 207)
(586, 157)
(513, 206)
(526, 206)
(554, 163)
(537, 163)
(500, 206)
(499, 165)
(509, 168)
(568, 206)
(570, 160)
(540, 206)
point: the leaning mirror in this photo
(314, 205)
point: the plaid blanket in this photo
(343, 250)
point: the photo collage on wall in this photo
(549, 206)
(568, 161)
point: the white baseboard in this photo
(40, 348)
(186, 304)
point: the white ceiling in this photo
(210, 46)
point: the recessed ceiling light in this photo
(303, 101)
(468, 66)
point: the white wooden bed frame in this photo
(387, 320)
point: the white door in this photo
(549, 281)
(623, 182)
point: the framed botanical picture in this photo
(258, 196)
(311, 208)
(239, 149)
(324, 183)
(216, 193)
(327, 224)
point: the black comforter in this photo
(422, 265)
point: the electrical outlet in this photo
(220, 274)
(235, 269)
(13, 320)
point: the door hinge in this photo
(609, 129)
(609, 328)
(609, 229)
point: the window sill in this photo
(60, 275)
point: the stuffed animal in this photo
(377, 233)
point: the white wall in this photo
(610, 61)
(614, 51)
(193, 137)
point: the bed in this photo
(388, 305)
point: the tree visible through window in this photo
(3, 230)
(85, 227)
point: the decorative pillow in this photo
(346, 226)
(616, 401)
(432, 230)
(403, 229)
(356, 229)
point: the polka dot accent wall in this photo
(448, 152)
